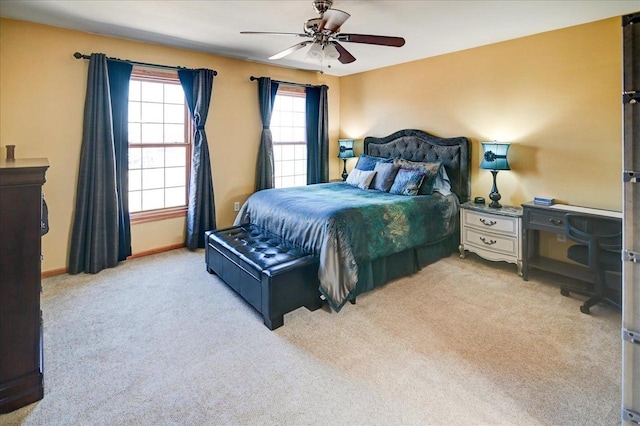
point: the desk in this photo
(538, 218)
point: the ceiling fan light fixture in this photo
(322, 52)
(315, 52)
(330, 52)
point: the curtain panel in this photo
(100, 226)
(119, 78)
(201, 215)
(317, 122)
(267, 90)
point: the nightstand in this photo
(494, 234)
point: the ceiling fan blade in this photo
(332, 20)
(371, 39)
(345, 57)
(274, 33)
(290, 50)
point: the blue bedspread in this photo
(346, 226)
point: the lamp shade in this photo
(494, 156)
(346, 148)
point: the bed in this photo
(365, 238)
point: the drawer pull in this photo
(556, 221)
(489, 243)
(488, 222)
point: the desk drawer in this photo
(491, 223)
(544, 220)
(491, 242)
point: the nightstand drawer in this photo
(491, 222)
(492, 242)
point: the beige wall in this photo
(42, 91)
(555, 96)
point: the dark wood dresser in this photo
(21, 380)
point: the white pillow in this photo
(442, 183)
(361, 178)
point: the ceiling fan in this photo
(324, 34)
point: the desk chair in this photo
(599, 245)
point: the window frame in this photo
(298, 92)
(155, 76)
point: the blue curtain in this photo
(98, 217)
(201, 214)
(317, 135)
(267, 90)
(119, 77)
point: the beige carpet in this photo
(158, 340)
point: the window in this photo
(289, 130)
(159, 146)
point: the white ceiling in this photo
(429, 27)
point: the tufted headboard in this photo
(416, 145)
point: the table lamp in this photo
(494, 158)
(346, 151)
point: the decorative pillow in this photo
(368, 162)
(361, 178)
(430, 171)
(442, 183)
(385, 175)
(407, 182)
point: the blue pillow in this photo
(430, 171)
(407, 182)
(385, 175)
(368, 162)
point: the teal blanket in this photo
(346, 226)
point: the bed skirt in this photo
(381, 271)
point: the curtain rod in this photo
(252, 78)
(79, 55)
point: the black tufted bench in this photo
(273, 275)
